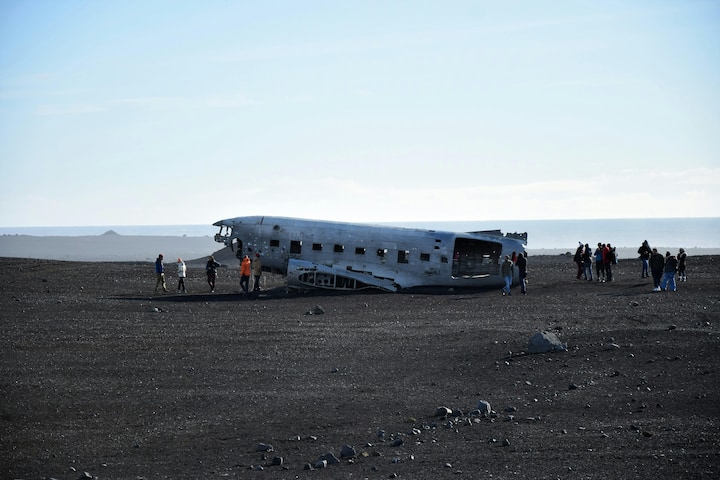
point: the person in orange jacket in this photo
(245, 274)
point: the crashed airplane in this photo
(351, 256)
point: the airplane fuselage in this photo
(350, 256)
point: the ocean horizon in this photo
(542, 234)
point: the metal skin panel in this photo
(353, 256)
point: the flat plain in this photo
(103, 378)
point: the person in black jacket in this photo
(657, 266)
(211, 270)
(645, 251)
(578, 260)
(682, 257)
(522, 272)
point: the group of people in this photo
(662, 268)
(604, 257)
(160, 275)
(518, 260)
(247, 267)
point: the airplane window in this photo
(381, 252)
(274, 243)
(403, 256)
(360, 250)
(296, 246)
(425, 257)
(339, 248)
(317, 246)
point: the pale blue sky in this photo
(187, 112)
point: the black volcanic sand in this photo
(101, 377)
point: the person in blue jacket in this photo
(160, 273)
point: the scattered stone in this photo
(483, 407)
(506, 443)
(277, 461)
(320, 464)
(329, 459)
(542, 342)
(316, 310)
(612, 346)
(346, 451)
(442, 412)
(672, 327)
(398, 442)
(261, 447)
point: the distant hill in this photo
(110, 247)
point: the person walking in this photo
(257, 272)
(245, 274)
(657, 266)
(181, 273)
(211, 270)
(645, 251)
(668, 281)
(682, 258)
(522, 272)
(506, 269)
(160, 274)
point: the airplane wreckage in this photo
(351, 256)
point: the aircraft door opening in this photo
(473, 258)
(238, 248)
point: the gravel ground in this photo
(101, 378)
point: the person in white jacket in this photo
(182, 273)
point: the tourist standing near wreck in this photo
(522, 271)
(257, 272)
(245, 274)
(506, 269)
